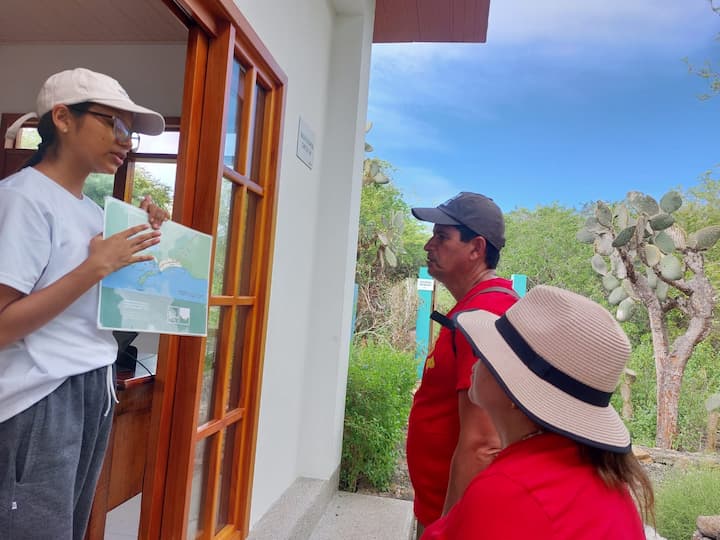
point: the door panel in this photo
(227, 176)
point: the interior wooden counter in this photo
(123, 470)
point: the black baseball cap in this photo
(476, 212)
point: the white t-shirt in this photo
(45, 232)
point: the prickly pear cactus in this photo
(372, 167)
(372, 172)
(388, 237)
(639, 248)
(645, 258)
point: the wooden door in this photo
(205, 411)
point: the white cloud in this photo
(613, 23)
(419, 57)
(543, 46)
(565, 28)
(423, 187)
(395, 129)
(425, 96)
(413, 64)
(431, 76)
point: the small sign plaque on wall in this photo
(305, 143)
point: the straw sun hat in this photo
(559, 357)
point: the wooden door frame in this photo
(217, 32)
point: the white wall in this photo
(151, 74)
(324, 49)
(337, 229)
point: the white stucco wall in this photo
(324, 49)
(25, 68)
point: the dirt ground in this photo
(663, 461)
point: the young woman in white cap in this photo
(56, 381)
(545, 374)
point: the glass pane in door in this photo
(198, 498)
(252, 201)
(222, 236)
(237, 364)
(212, 360)
(256, 133)
(224, 481)
(234, 116)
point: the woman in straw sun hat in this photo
(56, 381)
(545, 374)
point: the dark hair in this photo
(492, 254)
(46, 130)
(619, 470)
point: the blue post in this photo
(519, 283)
(425, 286)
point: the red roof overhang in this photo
(464, 21)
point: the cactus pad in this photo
(617, 295)
(670, 202)
(663, 241)
(661, 221)
(670, 267)
(705, 238)
(623, 237)
(625, 310)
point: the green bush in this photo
(682, 497)
(379, 395)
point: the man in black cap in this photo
(449, 439)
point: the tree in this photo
(389, 250)
(390, 240)
(642, 242)
(701, 207)
(541, 245)
(707, 71)
(144, 183)
(98, 186)
(382, 219)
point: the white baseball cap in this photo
(81, 85)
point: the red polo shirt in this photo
(540, 488)
(434, 423)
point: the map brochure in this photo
(167, 295)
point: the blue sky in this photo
(568, 101)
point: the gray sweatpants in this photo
(50, 459)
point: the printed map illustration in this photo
(169, 294)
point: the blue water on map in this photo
(146, 278)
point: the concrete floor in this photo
(349, 516)
(123, 522)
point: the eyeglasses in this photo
(122, 133)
